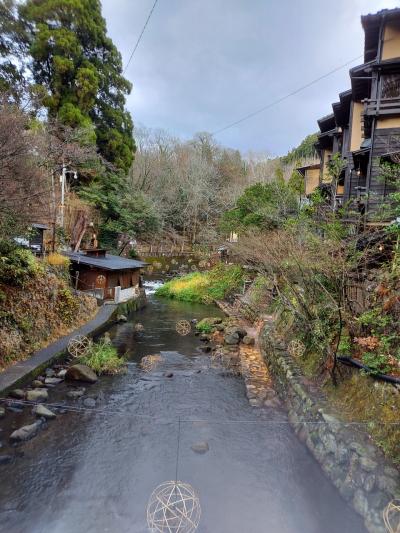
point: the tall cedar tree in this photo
(12, 50)
(80, 70)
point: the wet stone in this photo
(36, 384)
(5, 459)
(52, 381)
(200, 447)
(81, 373)
(89, 402)
(19, 394)
(42, 411)
(75, 394)
(14, 409)
(2, 412)
(37, 395)
(26, 432)
(169, 375)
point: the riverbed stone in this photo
(37, 395)
(36, 384)
(204, 337)
(81, 373)
(231, 338)
(52, 381)
(5, 459)
(122, 318)
(388, 484)
(241, 332)
(248, 340)
(2, 412)
(205, 349)
(89, 402)
(50, 373)
(18, 394)
(42, 411)
(368, 464)
(75, 394)
(169, 375)
(25, 432)
(200, 447)
(61, 373)
(360, 502)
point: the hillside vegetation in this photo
(36, 307)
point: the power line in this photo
(279, 100)
(140, 36)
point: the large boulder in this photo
(81, 373)
(232, 338)
(26, 432)
(236, 329)
(37, 395)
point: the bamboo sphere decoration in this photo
(391, 516)
(183, 327)
(79, 345)
(296, 348)
(174, 507)
(149, 362)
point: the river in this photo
(93, 471)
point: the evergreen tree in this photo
(79, 70)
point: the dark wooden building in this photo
(364, 127)
(106, 276)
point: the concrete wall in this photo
(357, 468)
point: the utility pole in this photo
(63, 180)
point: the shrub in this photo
(17, 265)
(103, 358)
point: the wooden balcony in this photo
(385, 107)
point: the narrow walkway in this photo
(17, 372)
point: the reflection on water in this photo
(94, 472)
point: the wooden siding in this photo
(385, 140)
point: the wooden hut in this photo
(106, 276)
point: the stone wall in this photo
(358, 469)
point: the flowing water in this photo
(93, 471)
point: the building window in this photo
(391, 86)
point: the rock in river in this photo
(5, 459)
(231, 338)
(41, 410)
(81, 373)
(37, 395)
(26, 432)
(200, 447)
(52, 381)
(75, 394)
(36, 384)
(2, 412)
(89, 402)
(19, 394)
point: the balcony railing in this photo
(382, 107)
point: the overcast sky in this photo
(203, 64)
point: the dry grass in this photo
(376, 405)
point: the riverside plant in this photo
(215, 284)
(103, 358)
